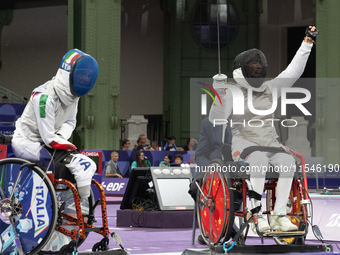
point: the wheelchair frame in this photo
(208, 201)
(77, 236)
(79, 220)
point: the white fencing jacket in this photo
(50, 115)
(265, 135)
(50, 118)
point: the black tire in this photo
(103, 245)
(67, 249)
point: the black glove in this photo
(312, 34)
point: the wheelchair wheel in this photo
(295, 220)
(60, 240)
(215, 207)
(28, 209)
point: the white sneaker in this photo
(281, 222)
(262, 224)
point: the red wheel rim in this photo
(222, 203)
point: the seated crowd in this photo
(143, 155)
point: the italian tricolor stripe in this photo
(40, 230)
(42, 105)
(71, 57)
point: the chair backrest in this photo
(3, 151)
(45, 160)
(5, 139)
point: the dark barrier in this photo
(9, 113)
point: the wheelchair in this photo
(37, 204)
(215, 202)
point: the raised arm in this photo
(294, 70)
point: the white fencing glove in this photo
(219, 81)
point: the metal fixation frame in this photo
(108, 252)
(264, 249)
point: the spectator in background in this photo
(178, 159)
(154, 145)
(126, 145)
(167, 160)
(192, 161)
(141, 144)
(170, 145)
(136, 145)
(191, 145)
(111, 168)
(186, 147)
(139, 160)
(5, 100)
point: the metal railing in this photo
(13, 98)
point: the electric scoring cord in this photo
(139, 206)
(229, 248)
(311, 221)
(218, 38)
(138, 223)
